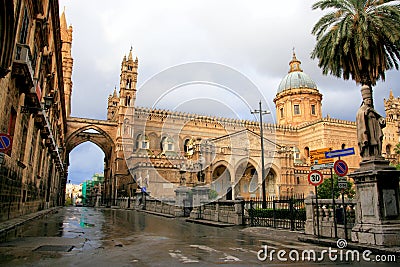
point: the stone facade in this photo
(165, 148)
(33, 173)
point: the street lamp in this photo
(48, 101)
(262, 112)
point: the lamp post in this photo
(262, 112)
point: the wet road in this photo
(105, 237)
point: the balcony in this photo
(22, 67)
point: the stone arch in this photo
(221, 177)
(101, 133)
(247, 178)
(101, 138)
(270, 183)
(7, 34)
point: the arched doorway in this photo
(99, 133)
(221, 182)
(270, 183)
(86, 167)
(247, 177)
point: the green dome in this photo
(296, 78)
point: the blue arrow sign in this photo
(340, 153)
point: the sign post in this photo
(316, 178)
(333, 204)
(344, 215)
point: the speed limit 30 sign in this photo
(315, 178)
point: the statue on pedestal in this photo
(369, 127)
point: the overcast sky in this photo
(253, 38)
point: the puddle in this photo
(57, 248)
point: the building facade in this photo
(161, 150)
(32, 107)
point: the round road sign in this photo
(315, 178)
(5, 142)
(340, 167)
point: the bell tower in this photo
(112, 107)
(67, 60)
(128, 80)
(125, 113)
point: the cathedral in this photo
(160, 150)
(164, 149)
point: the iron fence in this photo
(286, 212)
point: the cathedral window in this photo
(296, 109)
(307, 152)
(313, 110)
(128, 83)
(282, 114)
(142, 142)
(23, 36)
(167, 144)
(188, 147)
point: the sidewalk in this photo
(9, 225)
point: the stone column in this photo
(200, 194)
(377, 211)
(310, 218)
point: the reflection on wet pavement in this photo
(81, 236)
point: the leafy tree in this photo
(358, 38)
(325, 189)
(397, 152)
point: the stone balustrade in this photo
(326, 217)
(226, 211)
(165, 206)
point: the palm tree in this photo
(358, 38)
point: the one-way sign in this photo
(340, 153)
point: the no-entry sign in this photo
(340, 167)
(5, 142)
(315, 178)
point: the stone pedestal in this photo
(140, 199)
(377, 211)
(182, 200)
(200, 195)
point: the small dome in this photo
(296, 78)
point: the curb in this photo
(9, 225)
(157, 213)
(210, 223)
